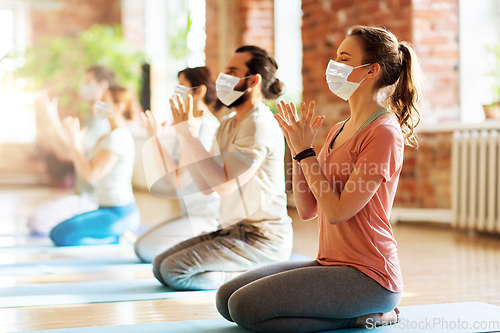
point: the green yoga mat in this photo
(90, 292)
(433, 318)
(72, 265)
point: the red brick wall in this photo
(257, 18)
(435, 35)
(132, 20)
(67, 17)
(212, 43)
(425, 180)
(246, 22)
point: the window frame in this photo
(20, 19)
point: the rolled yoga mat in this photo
(432, 318)
(90, 292)
(72, 265)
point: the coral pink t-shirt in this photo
(365, 241)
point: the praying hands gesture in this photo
(182, 112)
(299, 132)
(74, 133)
(151, 123)
(49, 106)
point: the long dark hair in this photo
(198, 76)
(264, 64)
(401, 75)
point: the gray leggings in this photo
(209, 260)
(302, 296)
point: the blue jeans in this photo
(102, 226)
(207, 261)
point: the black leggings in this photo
(302, 296)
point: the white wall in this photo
(161, 20)
(156, 40)
(288, 46)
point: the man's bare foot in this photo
(378, 319)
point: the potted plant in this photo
(493, 110)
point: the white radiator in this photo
(476, 180)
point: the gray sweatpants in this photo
(302, 296)
(207, 261)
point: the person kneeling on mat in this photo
(199, 212)
(350, 187)
(245, 166)
(110, 168)
(49, 214)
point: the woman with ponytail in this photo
(350, 185)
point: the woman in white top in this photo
(110, 169)
(199, 212)
(49, 214)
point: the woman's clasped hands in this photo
(299, 132)
(74, 132)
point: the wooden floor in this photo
(439, 265)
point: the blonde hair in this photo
(400, 84)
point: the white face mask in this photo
(336, 77)
(102, 110)
(88, 92)
(181, 90)
(225, 88)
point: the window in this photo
(6, 32)
(479, 28)
(18, 120)
(197, 36)
(175, 39)
(288, 46)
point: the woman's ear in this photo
(201, 91)
(374, 70)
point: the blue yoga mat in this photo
(90, 292)
(189, 326)
(72, 265)
(52, 249)
(470, 314)
(298, 257)
(83, 265)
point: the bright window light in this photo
(18, 118)
(6, 32)
(288, 47)
(197, 36)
